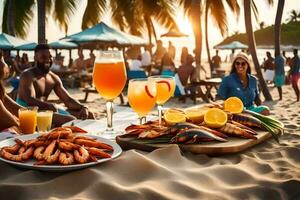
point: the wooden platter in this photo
(233, 145)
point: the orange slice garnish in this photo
(148, 92)
(165, 82)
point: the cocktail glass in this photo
(142, 96)
(109, 78)
(27, 118)
(165, 87)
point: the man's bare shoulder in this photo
(27, 74)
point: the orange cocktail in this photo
(141, 96)
(165, 89)
(27, 118)
(109, 78)
(165, 86)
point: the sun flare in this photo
(184, 25)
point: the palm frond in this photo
(219, 16)
(163, 11)
(130, 13)
(255, 10)
(186, 4)
(234, 7)
(93, 13)
(63, 10)
(23, 16)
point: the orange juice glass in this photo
(27, 118)
(109, 78)
(165, 86)
(141, 96)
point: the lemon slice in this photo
(233, 105)
(172, 118)
(196, 114)
(215, 118)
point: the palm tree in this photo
(252, 46)
(294, 16)
(136, 16)
(19, 18)
(219, 15)
(277, 26)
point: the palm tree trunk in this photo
(149, 28)
(206, 38)
(11, 17)
(196, 21)
(277, 26)
(252, 49)
(41, 21)
(153, 30)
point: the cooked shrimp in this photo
(48, 153)
(81, 155)
(56, 134)
(67, 146)
(95, 143)
(25, 155)
(38, 153)
(12, 149)
(98, 152)
(66, 158)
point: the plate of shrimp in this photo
(61, 149)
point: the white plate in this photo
(58, 168)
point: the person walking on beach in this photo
(279, 74)
(240, 83)
(146, 60)
(184, 54)
(216, 61)
(38, 82)
(294, 72)
(269, 68)
(171, 50)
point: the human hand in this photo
(84, 113)
(52, 107)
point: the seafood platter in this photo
(212, 129)
(61, 149)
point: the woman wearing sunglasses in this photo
(240, 83)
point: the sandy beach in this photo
(265, 171)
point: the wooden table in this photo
(194, 89)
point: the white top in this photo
(136, 65)
(146, 58)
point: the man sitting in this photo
(37, 83)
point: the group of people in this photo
(36, 84)
(274, 71)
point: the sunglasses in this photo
(240, 63)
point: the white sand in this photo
(266, 171)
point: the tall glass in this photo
(27, 118)
(141, 96)
(109, 78)
(165, 87)
(44, 120)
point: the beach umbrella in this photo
(27, 47)
(173, 33)
(63, 44)
(103, 34)
(8, 42)
(232, 45)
